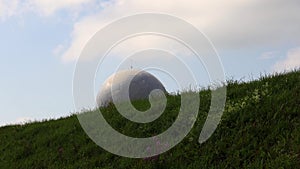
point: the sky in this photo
(41, 40)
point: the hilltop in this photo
(260, 128)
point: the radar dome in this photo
(128, 84)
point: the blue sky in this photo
(40, 41)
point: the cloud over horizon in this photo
(230, 25)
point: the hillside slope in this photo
(260, 128)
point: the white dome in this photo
(137, 84)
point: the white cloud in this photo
(82, 32)
(291, 61)
(229, 24)
(9, 8)
(49, 7)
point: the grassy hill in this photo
(260, 128)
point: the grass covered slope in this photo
(260, 128)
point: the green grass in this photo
(260, 128)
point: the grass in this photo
(260, 128)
